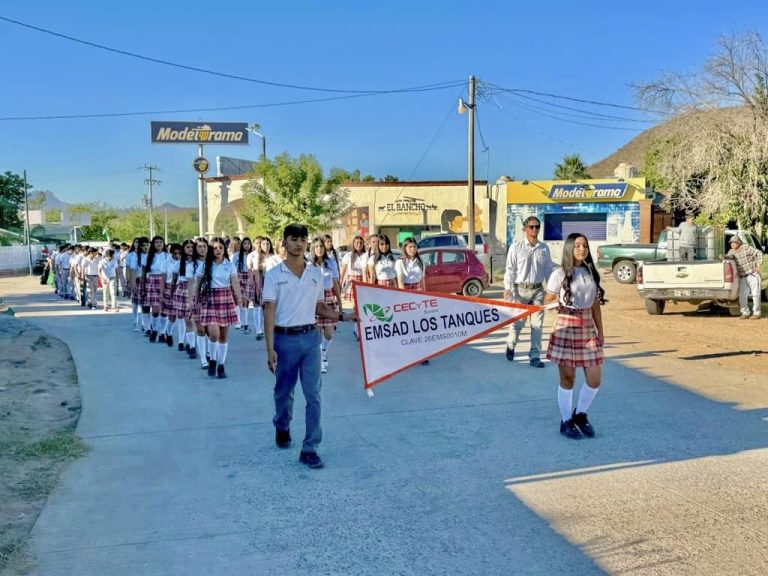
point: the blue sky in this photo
(588, 50)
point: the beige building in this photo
(402, 209)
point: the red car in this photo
(454, 270)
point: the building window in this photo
(559, 226)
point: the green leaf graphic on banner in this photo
(376, 311)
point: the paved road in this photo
(454, 468)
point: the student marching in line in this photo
(134, 265)
(169, 286)
(381, 267)
(371, 252)
(331, 297)
(263, 261)
(330, 249)
(152, 284)
(91, 269)
(201, 338)
(182, 310)
(410, 270)
(352, 268)
(122, 282)
(577, 338)
(107, 271)
(240, 260)
(217, 289)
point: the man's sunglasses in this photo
(534, 226)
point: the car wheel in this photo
(655, 307)
(472, 288)
(625, 272)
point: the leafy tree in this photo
(390, 178)
(37, 200)
(11, 199)
(130, 224)
(295, 190)
(102, 216)
(572, 168)
(717, 162)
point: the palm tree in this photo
(572, 168)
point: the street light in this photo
(254, 129)
(464, 107)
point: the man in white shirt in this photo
(529, 265)
(293, 296)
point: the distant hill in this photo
(174, 208)
(633, 151)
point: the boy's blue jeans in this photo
(298, 357)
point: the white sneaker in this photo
(323, 367)
(135, 327)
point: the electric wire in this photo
(585, 113)
(573, 99)
(221, 74)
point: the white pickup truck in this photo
(695, 282)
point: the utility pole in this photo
(151, 182)
(26, 222)
(471, 164)
(165, 223)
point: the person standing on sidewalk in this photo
(529, 265)
(748, 261)
(578, 336)
(108, 274)
(293, 296)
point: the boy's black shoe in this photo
(153, 336)
(569, 430)
(282, 438)
(510, 354)
(192, 353)
(181, 348)
(220, 372)
(311, 459)
(212, 368)
(583, 424)
(186, 348)
(162, 337)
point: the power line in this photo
(562, 118)
(216, 109)
(585, 113)
(215, 73)
(573, 99)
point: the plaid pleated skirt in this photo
(219, 310)
(414, 287)
(574, 341)
(136, 293)
(247, 287)
(391, 282)
(168, 299)
(181, 308)
(348, 292)
(330, 300)
(153, 287)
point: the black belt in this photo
(293, 330)
(527, 286)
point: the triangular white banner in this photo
(401, 328)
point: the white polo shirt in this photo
(91, 266)
(295, 298)
(171, 268)
(357, 267)
(410, 270)
(159, 263)
(583, 287)
(221, 274)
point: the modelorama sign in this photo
(199, 132)
(589, 192)
(401, 328)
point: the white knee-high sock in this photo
(259, 319)
(209, 349)
(586, 395)
(253, 316)
(244, 316)
(237, 311)
(135, 313)
(326, 343)
(191, 339)
(182, 329)
(565, 401)
(201, 349)
(221, 355)
(155, 323)
(214, 350)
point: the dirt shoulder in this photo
(39, 408)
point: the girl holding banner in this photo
(577, 339)
(410, 268)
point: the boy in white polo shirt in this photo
(293, 296)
